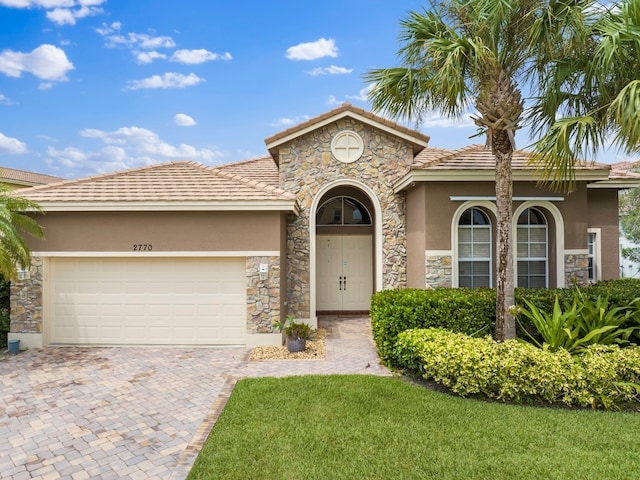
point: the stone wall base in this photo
(438, 271)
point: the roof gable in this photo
(418, 140)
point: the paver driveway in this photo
(138, 413)
(107, 412)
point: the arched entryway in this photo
(344, 253)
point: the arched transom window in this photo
(342, 211)
(474, 249)
(533, 249)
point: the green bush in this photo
(512, 371)
(458, 309)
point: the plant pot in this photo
(14, 346)
(296, 344)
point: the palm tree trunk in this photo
(505, 298)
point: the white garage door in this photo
(150, 301)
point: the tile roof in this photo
(263, 169)
(477, 157)
(626, 165)
(11, 175)
(167, 182)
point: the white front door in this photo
(344, 273)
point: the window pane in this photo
(465, 268)
(464, 251)
(464, 234)
(482, 251)
(538, 235)
(479, 218)
(538, 250)
(465, 218)
(523, 234)
(523, 250)
(537, 268)
(481, 269)
(537, 282)
(481, 235)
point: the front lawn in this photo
(348, 427)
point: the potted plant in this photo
(296, 334)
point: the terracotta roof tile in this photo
(477, 157)
(625, 166)
(28, 178)
(263, 169)
(168, 182)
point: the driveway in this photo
(110, 413)
(139, 413)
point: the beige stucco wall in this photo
(416, 235)
(603, 214)
(165, 231)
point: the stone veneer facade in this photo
(307, 164)
(263, 296)
(576, 269)
(26, 300)
(438, 271)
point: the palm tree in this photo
(14, 222)
(592, 94)
(481, 52)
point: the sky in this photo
(95, 86)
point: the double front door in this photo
(344, 272)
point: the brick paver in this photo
(138, 413)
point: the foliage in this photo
(14, 222)
(512, 371)
(294, 330)
(362, 426)
(584, 322)
(630, 222)
(459, 309)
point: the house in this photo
(14, 179)
(346, 204)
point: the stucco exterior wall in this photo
(306, 165)
(165, 231)
(603, 214)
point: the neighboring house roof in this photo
(417, 139)
(477, 163)
(167, 186)
(22, 178)
(626, 166)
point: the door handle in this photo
(345, 283)
(340, 282)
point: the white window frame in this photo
(528, 258)
(597, 252)
(472, 259)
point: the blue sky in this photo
(93, 86)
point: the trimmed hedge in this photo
(471, 311)
(512, 371)
(458, 309)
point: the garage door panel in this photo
(153, 301)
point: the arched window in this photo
(474, 249)
(533, 259)
(342, 211)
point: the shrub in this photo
(512, 371)
(458, 309)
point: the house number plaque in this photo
(142, 247)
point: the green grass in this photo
(365, 427)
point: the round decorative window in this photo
(347, 146)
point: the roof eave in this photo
(273, 143)
(484, 175)
(615, 183)
(290, 206)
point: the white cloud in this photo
(128, 147)
(45, 86)
(333, 100)
(148, 57)
(313, 50)
(46, 62)
(67, 16)
(138, 40)
(61, 12)
(286, 121)
(108, 29)
(332, 70)
(363, 94)
(183, 120)
(11, 146)
(168, 80)
(198, 56)
(4, 100)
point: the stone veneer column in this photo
(306, 165)
(26, 300)
(263, 296)
(438, 271)
(576, 269)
